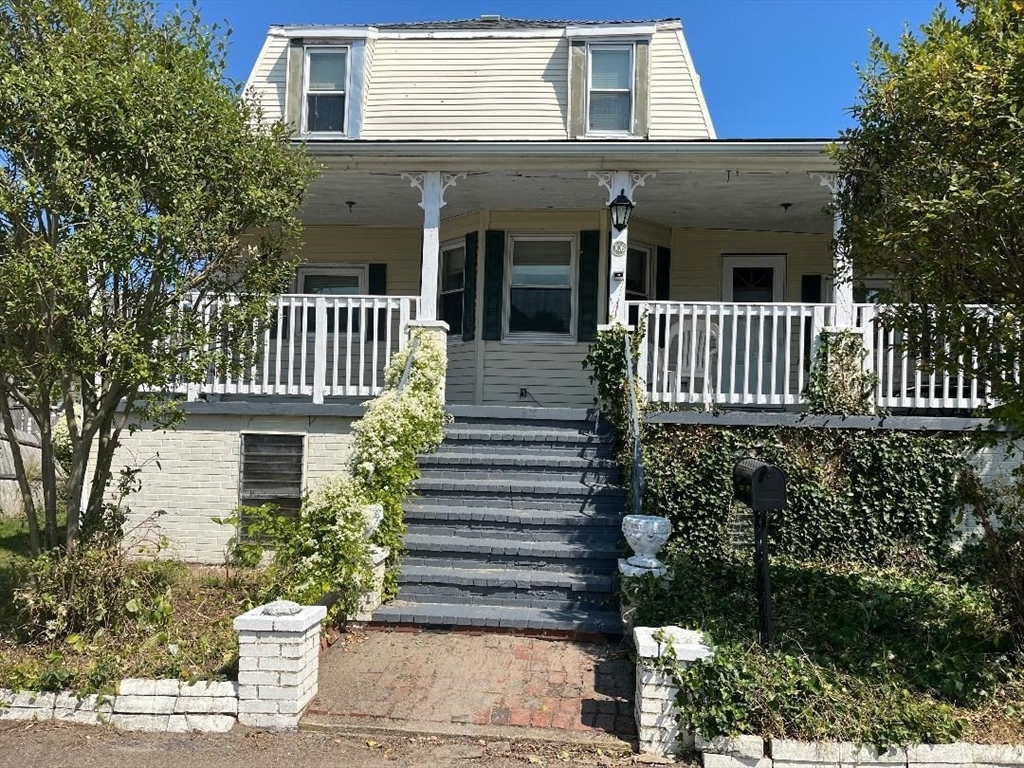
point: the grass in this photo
(185, 633)
(879, 655)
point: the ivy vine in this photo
(838, 383)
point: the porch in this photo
(695, 354)
(727, 255)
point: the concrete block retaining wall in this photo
(661, 731)
(279, 658)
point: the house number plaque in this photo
(619, 249)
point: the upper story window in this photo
(541, 286)
(610, 97)
(453, 283)
(326, 90)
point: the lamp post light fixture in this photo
(621, 208)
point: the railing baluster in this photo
(362, 348)
(349, 322)
(656, 393)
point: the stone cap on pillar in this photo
(687, 644)
(258, 620)
(439, 325)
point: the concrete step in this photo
(572, 493)
(428, 509)
(455, 551)
(497, 437)
(456, 456)
(515, 598)
(591, 535)
(578, 579)
(442, 614)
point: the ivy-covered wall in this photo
(874, 496)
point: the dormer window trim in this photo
(611, 45)
(346, 94)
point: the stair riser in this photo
(504, 442)
(533, 518)
(447, 499)
(591, 534)
(475, 560)
(543, 598)
(550, 475)
(546, 425)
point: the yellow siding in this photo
(552, 373)
(676, 111)
(458, 226)
(697, 259)
(547, 221)
(645, 232)
(398, 248)
(460, 384)
(269, 78)
(488, 89)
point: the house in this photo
(469, 172)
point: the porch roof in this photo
(745, 185)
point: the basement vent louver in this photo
(271, 472)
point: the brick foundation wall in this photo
(198, 476)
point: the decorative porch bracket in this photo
(619, 182)
(842, 285)
(432, 186)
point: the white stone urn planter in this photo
(373, 514)
(646, 535)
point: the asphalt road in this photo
(48, 745)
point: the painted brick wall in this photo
(190, 475)
(995, 465)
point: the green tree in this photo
(137, 199)
(933, 191)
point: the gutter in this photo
(769, 155)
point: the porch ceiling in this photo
(719, 199)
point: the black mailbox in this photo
(759, 485)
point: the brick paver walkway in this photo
(396, 678)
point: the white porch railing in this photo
(909, 381)
(317, 346)
(731, 354)
(715, 353)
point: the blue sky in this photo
(769, 68)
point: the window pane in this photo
(542, 262)
(754, 284)
(636, 274)
(540, 310)
(331, 285)
(327, 70)
(609, 69)
(450, 311)
(325, 114)
(453, 268)
(609, 112)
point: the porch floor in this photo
(476, 684)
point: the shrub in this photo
(321, 552)
(91, 588)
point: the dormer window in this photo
(610, 80)
(326, 89)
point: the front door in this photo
(748, 283)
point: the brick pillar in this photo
(278, 661)
(657, 717)
(438, 329)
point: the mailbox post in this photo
(762, 487)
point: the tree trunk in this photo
(49, 473)
(35, 545)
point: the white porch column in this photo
(432, 186)
(619, 182)
(842, 285)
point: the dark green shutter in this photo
(590, 262)
(663, 273)
(810, 289)
(494, 283)
(377, 285)
(469, 288)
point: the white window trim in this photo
(731, 261)
(617, 45)
(648, 271)
(450, 245)
(540, 338)
(346, 93)
(359, 270)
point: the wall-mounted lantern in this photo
(621, 208)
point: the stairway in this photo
(515, 524)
